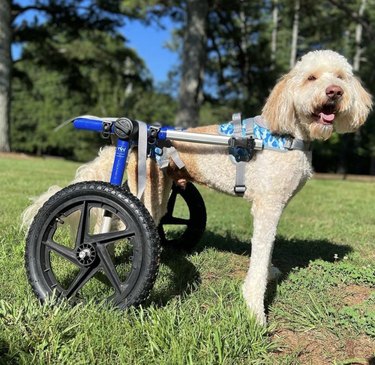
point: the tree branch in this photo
(354, 15)
(18, 9)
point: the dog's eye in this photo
(340, 77)
(311, 78)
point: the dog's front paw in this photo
(260, 318)
(255, 308)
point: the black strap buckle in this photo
(239, 189)
(242, 148)
(153, 132)
(107, 126)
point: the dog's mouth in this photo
(325, 114)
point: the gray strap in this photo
(169, 152)
(239, 187)
(237, 124)
(142, 158)
(176, 157)
(163, 160)
(298, 144)
(249, 126)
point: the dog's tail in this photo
(30, 212)
(99, 170)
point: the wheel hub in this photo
(86, 254)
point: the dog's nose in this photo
(334, 92)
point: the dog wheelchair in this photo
(69, 256)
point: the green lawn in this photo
(321, 312)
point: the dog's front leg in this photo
(266, 215)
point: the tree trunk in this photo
(5, 71)
(349, 141)
(358, 38)
(293, 52)
(245, 56)
(193, 62)
(275, 25)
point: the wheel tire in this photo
(90, 253)
(195, 224)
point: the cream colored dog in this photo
(319, 95)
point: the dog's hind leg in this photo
(266, 214)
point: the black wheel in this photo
(190, 226)
(66, 255)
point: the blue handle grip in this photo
(88, 124)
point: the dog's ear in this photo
(359, 111)
(279, 108)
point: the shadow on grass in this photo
(287, 254)
(5, 356)
(184, 277)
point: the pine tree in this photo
(72, 16)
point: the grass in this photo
(322, 311)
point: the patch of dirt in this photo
(240, 266)
(15, 155)
(313, 347)
(355, 294)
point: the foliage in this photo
(94, 63)
(106, 78)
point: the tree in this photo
(105, 78)
(72, 16)
(193, 62)
(293, 51)
(358, 38)
(239, 55)
(275, 24)
(5, 73)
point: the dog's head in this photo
(319, 95)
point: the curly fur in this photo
(294, 107)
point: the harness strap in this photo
(250, 127)
(239, 187)
(297, 144)
(176, 157)
(142, 158)
(237, 124)
(163, 155)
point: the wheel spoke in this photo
(80, 280)
(171, 202)
(109, 268)
(63, 251)
(83, 224)
(104, 238)
(177, 221)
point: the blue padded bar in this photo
(88, 124)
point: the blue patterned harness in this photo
(270, 141)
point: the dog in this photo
(318, 96)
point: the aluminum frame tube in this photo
(197, 137)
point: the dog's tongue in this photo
(327, 118)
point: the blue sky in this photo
(148, 41)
